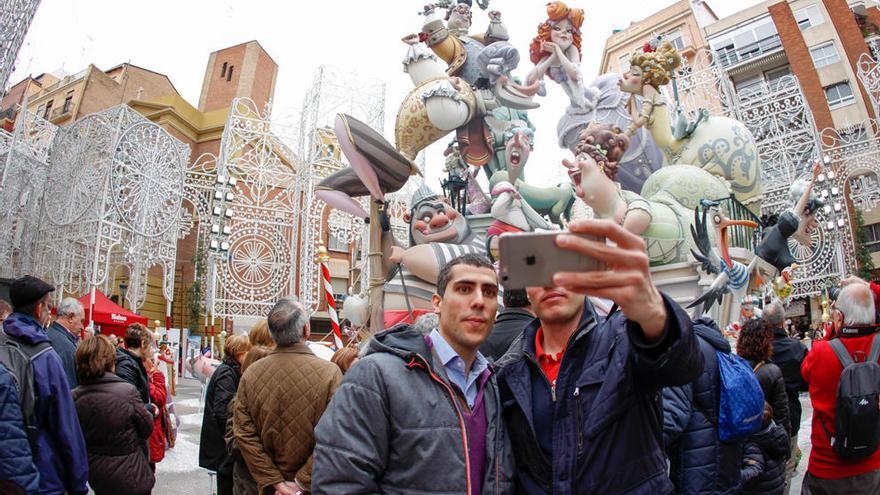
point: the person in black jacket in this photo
(699, 462)
(764, 457)
(755, 344)
(221, 390)
(509, 323)
(129, 360)
(788, 353)
(64, 333)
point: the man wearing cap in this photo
(60, 453)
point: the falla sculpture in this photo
(636, 159)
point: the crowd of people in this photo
(77, 413)
(549, 396)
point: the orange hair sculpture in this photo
(556, 11)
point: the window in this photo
(623, 63)
(229, 74)
(676, 39)
(872, 237)
(68, 102)
(773, 76)
(808, 17)
(336, 244)
(839, 94)
(48, 109)
(223, 70)
(340, 286)
(824, 54)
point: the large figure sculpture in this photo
(665, 217)
(720, 145)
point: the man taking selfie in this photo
(580, 392)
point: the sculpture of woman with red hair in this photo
(556, 51)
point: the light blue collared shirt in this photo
(454, 365)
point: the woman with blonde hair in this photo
(345, 357)
(114, 422)
(221, 390)
(259, 334)
(647, 72)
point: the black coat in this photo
(130, 368)
(764, 457)
(700, 463)
(603, 421)
(773, 386)
(221, 390)
(115, 426)
(789, 354)
(508, 325)
(65, 344)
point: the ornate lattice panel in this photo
(869, 75)
(15, 19)
(702, 84)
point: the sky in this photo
(176, 37)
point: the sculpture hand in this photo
(396, 254)
(549, 47)
(627, 280)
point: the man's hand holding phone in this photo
(627, 281)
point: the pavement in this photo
(179, 473)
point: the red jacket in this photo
(821, 369)
(159, 397)
(875, 288)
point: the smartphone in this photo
(531, 259)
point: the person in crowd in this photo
(511, 321)
(581, 393)
(345, 357)
(242, 481)
(432, 397)
(158, 399)
(64, 333)
(788, 354)
(755, 345)
(18, 474)
(280, 400)
(5, 310)
(221, 390)
(58, 447)
(764, 458)
(700, 463)
(130, 360)
(827, 473)
(114, 421)
(260, 335)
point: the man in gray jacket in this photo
(421, 413)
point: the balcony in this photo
(729, 57)
(60, 114)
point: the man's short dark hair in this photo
(469, 259)
(515, 298)
(137, 335)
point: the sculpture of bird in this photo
(732, 277)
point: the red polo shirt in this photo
(821, 369)
(549, 363)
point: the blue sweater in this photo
(61, 455)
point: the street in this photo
(179, 473)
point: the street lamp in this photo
(455, 188)
(123, 287)
(835, 218)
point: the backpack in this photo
(18, 358)
(857, 422)
(740, 398)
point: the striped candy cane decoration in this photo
(331, 305)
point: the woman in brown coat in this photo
(114, 422)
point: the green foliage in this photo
(195, 297)
(863, 254)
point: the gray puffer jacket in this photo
(394, 427)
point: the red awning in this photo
(108, 314)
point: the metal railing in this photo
(738, 236)
(731, 57)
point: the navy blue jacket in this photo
(60, 449)
(600, 433)
(16, 462)
(764, 458)
(65, 345)
(789, 354)
(699, 461)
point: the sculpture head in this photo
(721, 223)
(431, 219)
(519, 146)
(652, 68)
(807, 221)
(562, 26)
(606, 145)
(459, 18)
